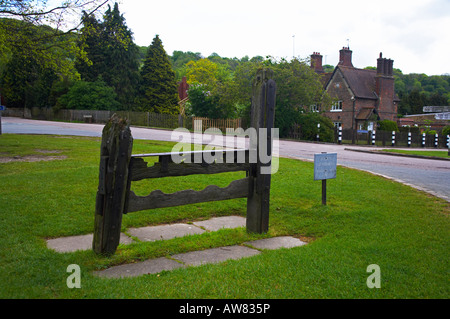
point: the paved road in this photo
(432, 176)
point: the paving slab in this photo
(215, 255)
(197, 258)
(74, 243)
(276, 243)
(164, 232)
(217, 223)
(151, 266)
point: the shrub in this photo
(89, 96)
(446, 131)
(387, 125)
(308, 123)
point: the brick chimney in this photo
(183, 88)
(345, 57)
(385, 88)
(316, 62)
(385, 66)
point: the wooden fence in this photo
(148, 119)
(119, 168)
(203, 123)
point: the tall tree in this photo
(18, 30)
(111, 56)
(158, 91)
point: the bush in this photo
(446, 131)
(387, 125)
(308, 123)
(89, 96)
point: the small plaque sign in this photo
(325, 166)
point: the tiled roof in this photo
(361, 81)
(364, 114)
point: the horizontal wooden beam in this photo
(139, 169)
(189, 153)
(158, 199)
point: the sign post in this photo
(325, 165)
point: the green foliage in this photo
(387, 125)
(85, 95)
(446, 131)
(297, 86)
(309, 128)
(25, 82)
(419, 90)
(110, 55)
(205, 104)
(180, 59)
(158, 91)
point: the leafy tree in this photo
(158, 90)
(45, 44)
(297, 86)
(25, 82)
(179, 59)
(202, 71)
(85, 95)
(419, 90)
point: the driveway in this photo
(432, 176)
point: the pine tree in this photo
(111, 55)
(121, 57)
(158, 87)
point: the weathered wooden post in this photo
(262, 118)
(113, 189)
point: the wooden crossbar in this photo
(158, 199)
(118, 169)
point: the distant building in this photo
(435, 118)
(183, 88)
(363, 96)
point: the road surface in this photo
(432, 176)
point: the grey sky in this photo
(414, 33)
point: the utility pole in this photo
(293, 46)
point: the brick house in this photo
(363, 96)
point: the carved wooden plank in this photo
(158, 199)
(115, 153)
(189, 153)
(262, 116)
(140, 169)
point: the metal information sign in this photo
(325, 165)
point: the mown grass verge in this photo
(368, 220)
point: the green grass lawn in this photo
(421, 153)
(368, 220)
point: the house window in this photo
(336, 107)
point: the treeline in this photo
(100, 67)
(418, 90)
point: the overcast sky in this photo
(414, 33)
